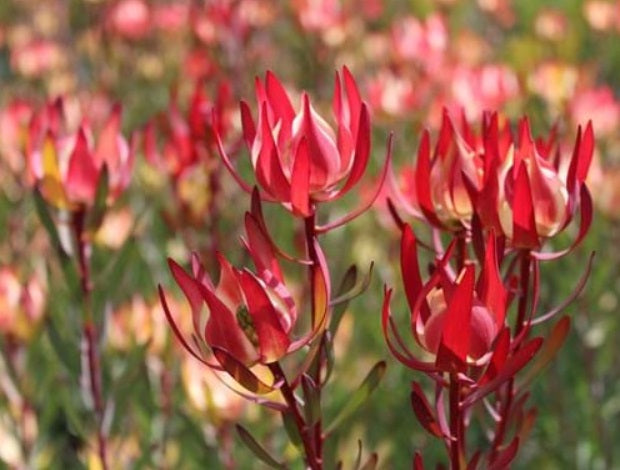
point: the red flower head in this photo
(530, 193)
(455, 318)
(67, 164)
(298, 158)
(440, 187)
(250, 317)
(187, 140)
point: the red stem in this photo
(310, 232)
(509, 389)
(314, 462)
(90, 335)
(456, 427)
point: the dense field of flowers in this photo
(309, 234)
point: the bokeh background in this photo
(556, 61)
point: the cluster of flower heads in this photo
(499, 199)
(300, 162)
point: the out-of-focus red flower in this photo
(67, 163)
(598, 105)
(299, 160)
(130, 19)
(185, 154)
(198, 64)
(454, 318)
(250, 316)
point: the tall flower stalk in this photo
(78, 176)
(499, 199)
(300, 162)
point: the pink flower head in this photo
(299, 160)
(67, 163)
(249, 316)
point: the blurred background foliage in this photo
(557, 61)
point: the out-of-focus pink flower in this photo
(14, 120)
(67, 163)
(36, 58)
(392, 94)
(422, 42)
(484, 88)
(171, 18)
(130, 19)
(318, 15)
(598, 105)
(22, 304)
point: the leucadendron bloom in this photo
(298, 159)
(66, 163)
(247, 319)
(531, 190)
(454, 317)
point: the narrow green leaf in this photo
(64, 349)
(358, 458)
(312, 407)
(48, 223)
(348, 282)
(360, 395)
(46, 219)
(291, 430)
(257, 449)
